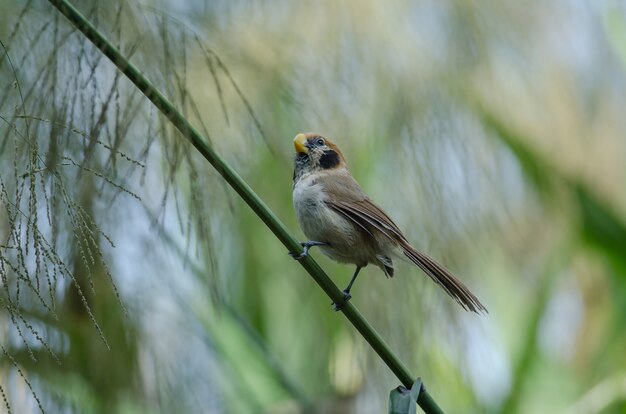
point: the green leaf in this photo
(537, 170)
(403, 400)
(603, 229)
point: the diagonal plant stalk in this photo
(424, 399)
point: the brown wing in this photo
(346, 197)
(354, 205)
(368, 216)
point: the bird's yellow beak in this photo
(298, 143)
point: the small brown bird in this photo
(336, 215)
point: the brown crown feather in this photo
(310, 136)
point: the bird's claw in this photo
(305, 252)
(298, 256)
(346, 297)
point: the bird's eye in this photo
(319, 141)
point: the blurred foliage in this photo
(134, 280)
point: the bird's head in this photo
(314, 153)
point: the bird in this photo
(337, 216)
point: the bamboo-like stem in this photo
(245, 192)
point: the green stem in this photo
(245, 192)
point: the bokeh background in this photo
(134, 280)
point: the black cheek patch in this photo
(329, 159)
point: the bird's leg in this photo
(346, 292)
(356, 273)
(307, 245)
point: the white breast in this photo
(308, 202)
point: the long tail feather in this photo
(442, 276)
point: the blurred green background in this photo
(135, 281)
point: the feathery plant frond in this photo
(47, 167)
(68, 134)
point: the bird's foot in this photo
(299, 256)
(346, 297)
(305, 252)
